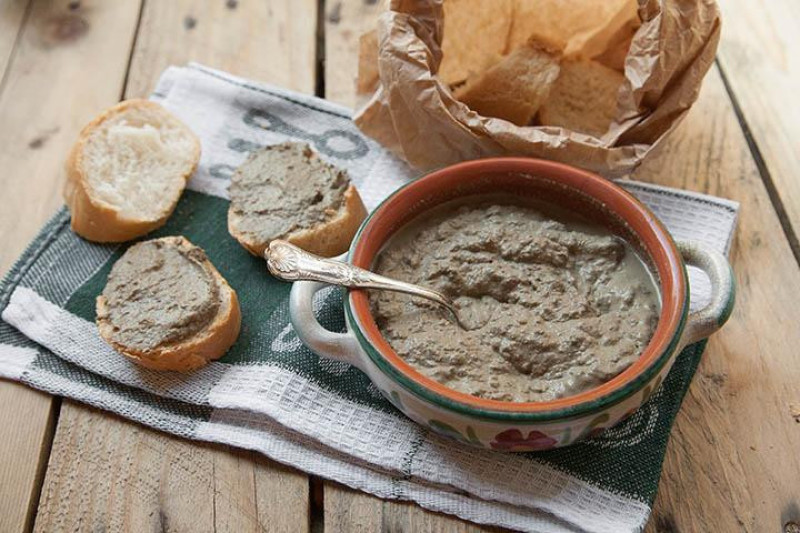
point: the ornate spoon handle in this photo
(290, 263)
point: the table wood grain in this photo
(733, 461)
(47, 94)
(759, 55)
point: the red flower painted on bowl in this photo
(513, 440)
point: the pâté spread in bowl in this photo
(574, 296)
(553, 305)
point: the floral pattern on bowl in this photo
(449, 431)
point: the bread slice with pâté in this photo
(167, 307)
(286, 191)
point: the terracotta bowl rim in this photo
(663, 344)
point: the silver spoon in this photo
(290, 263)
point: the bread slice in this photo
(573, 22)
(583, 99)
(614, 19)
(287, 192)
(166, 307)
(618, 47)
(127, 171)
(368, 74)
(516, 87)
(475, 35)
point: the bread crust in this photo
(211, 343)
(94, 219)
(332, 237)
(514, 88)
(583, 99)
(328, 239)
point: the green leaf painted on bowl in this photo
(567, 435)
(473, 438)
(595, 427)
(648, 391)
(446, 429)
(395, 399)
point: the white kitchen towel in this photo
(271, 394)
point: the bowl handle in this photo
(338, 346)
(709, 319)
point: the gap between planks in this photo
(759, 54)
(763, 168)
(11, 20)
(44, 459)
(124, 88)
(319, 73)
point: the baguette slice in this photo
(287, 192)
(127, 171)
(166, 307)
(516, 87)
(583, 99)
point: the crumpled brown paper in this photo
(414, 114)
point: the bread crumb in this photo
(794, 410)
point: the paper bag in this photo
(414, 113)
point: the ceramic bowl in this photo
(513, 426)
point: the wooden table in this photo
(733, 461)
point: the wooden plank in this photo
(107, 474)
(760, 57)
(27, 418)
(12, 13)
(734, 446)
(271, 41)
(47, 95)
(345, 21)
(21, 405)
(734, 443)
(348, 511)
(104, 470)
